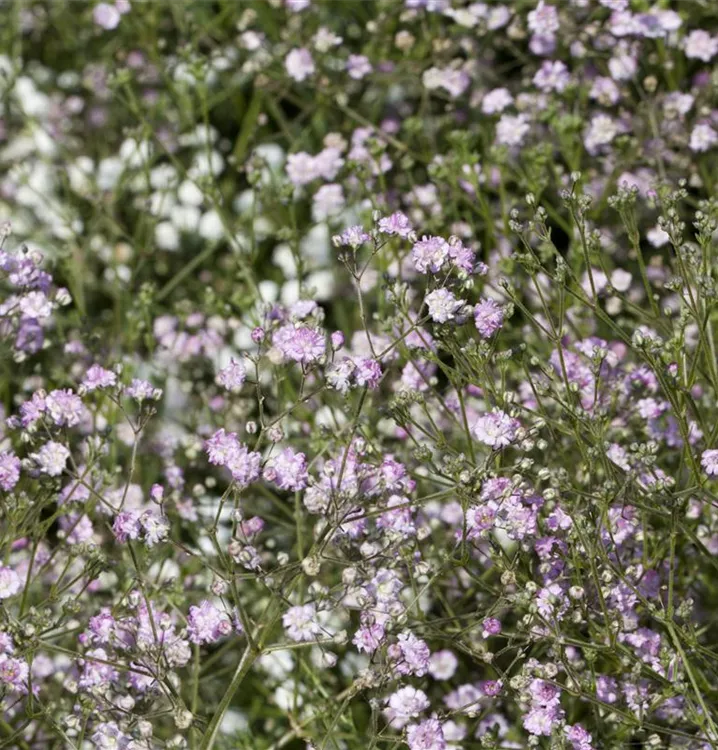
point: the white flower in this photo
(511, 130)
(328, 201)
(496, 101)
(51, 458)
(601, 132)
(10, 583)
(300, 623)
(703, 138)
(442, 305)
(35, 305)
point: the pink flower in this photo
(398, 224)
(288, 470)
(453, 81)
(224, 449)
(429, 254)
(358, 66)
(367, 372)
(126, 526)
(405, 704)
(428, 735)
(64, 407)
(700, 45)
(106, 16)
(299, 64)
(443, 664)
(491, 626)
(14, 673)
(98, 377)
(709, 462)
(553, 75)
(511, 130)
(496, 101)
(496, 429)
(300, 623)
(410, 655)
(354, 237)
(232, 376)
(369, 636)
(703, 138)
(142, 390)
(488, 317)
(10, 583)
(207, 624)
(543, 20)
(9, 470)
(299, 343)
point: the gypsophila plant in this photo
(359, 375)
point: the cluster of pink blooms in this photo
(26, 312)
(224, 449)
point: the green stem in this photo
(245, 665)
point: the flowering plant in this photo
(359, 375)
